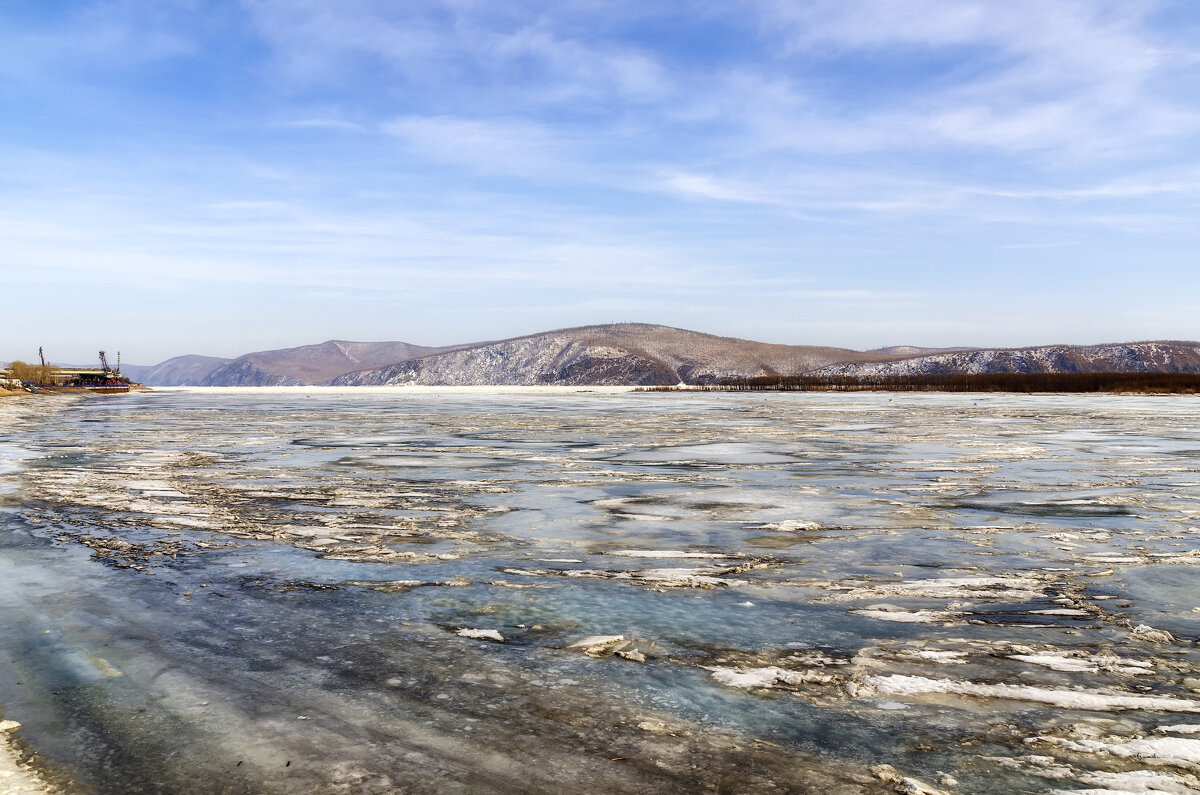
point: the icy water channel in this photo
(342, 592)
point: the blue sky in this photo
(182, 176)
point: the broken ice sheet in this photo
(915, 583)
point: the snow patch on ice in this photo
(767, 677)
(884, 612)
(900, 685)
(1170, 751)
(789, 526)
(1058, 661)
(1134, 782)
(1180, 728)
(665, 553)
(1006, 586)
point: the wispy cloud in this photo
(324, 124)
(486, 146)
(450, 156)
(530, 51)
(705, 186)
(1060, 76)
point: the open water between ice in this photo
(343, 592)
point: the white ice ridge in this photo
(1058, 661)
(665, 553)
(899, 685)
(1059, 611)
(480, 634)
(1151, 635)
(592, 641)
(1172, 751)
(1133, 782)
(705, 577)
(941, 657)
(977, 587)
(1081, 662)
(788, 525)
(884, 612)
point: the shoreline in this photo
(17, 775)
(403, 390)
(563, 390)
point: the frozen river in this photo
(361, 592)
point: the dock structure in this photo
(87, 376)
(97, 379)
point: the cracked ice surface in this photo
(505, 589)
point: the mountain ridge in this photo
(311, 364)
(622, 353)
(638, 354)
(186, 370)
(1132, 357)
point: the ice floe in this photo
(610, 645)
(789, 526)
(666, 553)
(480, 634)
(900, 685)
(886, 612)
(703, 577)
(904, 784)
(1004, 586)
(1058, 661)
(770, 676)
(1149, 634)
(1179, 728)
(1135, 782)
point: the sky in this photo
(185, 176)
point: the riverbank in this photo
(64, 390)
(403, 390)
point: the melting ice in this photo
(367, 592)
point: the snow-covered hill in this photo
(176, 371)
(626, 353)
(310, 364)
(639, 353)
(1135, 357)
